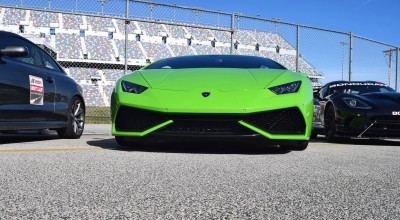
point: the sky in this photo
(374, 19)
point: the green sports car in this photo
(213, 97)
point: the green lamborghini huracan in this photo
(213, 97)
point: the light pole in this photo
(151, 6)
(276, 20)
(343, 43)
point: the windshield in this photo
(358, 88)
(216, 61)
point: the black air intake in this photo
(282, 121)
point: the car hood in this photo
(210, 78)
(381, 96)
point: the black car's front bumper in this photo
(367, 124)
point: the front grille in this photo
(205, 124)
(137, 120)
(282, 121)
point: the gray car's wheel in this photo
(301, 145)
(330, 124)
(75, 120)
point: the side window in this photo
(47, 61)
(31, 58)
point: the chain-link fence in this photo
(97, 41)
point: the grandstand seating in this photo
(151, 29)
(92, 95)
(245, 51)
(43, 19)
(108, 91)
(244, 37)
(176, 31)
(182, 50)
(113, 74)
(121, 26)
(13, 16)
(69, 46)
(134, 51)
(79, 74)
(72, 21)
(200, 34)
(222, 36)
(156, 51)
(99, 24)
(205, 49)
(99, 48)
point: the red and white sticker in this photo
(37, 90)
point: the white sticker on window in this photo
(36, 90)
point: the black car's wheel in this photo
(330, 126)
(75, 120)
(301, 145)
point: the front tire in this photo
(75, 120)
(330, 125)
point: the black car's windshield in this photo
(358, 88)
(216, 61)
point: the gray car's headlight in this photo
(132, 87)
(286, 88)
(355, 103)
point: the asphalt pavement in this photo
(43, 177)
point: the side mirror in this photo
(14, 51)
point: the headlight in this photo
(286, 88)
(355, 103)
(132, 87)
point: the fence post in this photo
(126, 36)
(350, 55)
(232, 30)
(298, 47)
(397, 67)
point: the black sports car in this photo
(35, 92)
(356, 109)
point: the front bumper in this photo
(368, 124)
(287, 124)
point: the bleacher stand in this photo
(182, 50)
(151, 29)
(43, 19)
(99, 24)
(222, 36)
(243, 37)
(176, 31)
(200, 34)
(13, 16)
(134, 51)
(205, 49)
(156, 51)
(113, 74)
(72, 21)
(99, 48)
(78, 73)
(92, 95)
(69, 46)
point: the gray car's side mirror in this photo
(14, 51)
